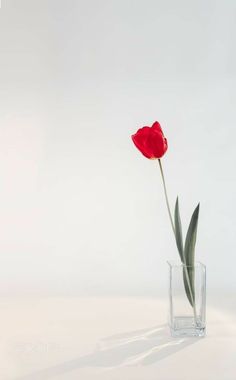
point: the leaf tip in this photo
(177, 201)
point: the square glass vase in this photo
(187, 300)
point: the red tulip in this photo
(151, 141)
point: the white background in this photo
(81, 211)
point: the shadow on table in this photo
(140, 347)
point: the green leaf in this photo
(178, 231)
(189, 254)
(179, 243)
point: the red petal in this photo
(140, 139)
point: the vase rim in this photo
(179, 264)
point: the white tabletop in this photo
(111, 339)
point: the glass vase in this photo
(187, 299)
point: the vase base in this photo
(186, 327)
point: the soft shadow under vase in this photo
(187, 302)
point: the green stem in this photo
(166, 196)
